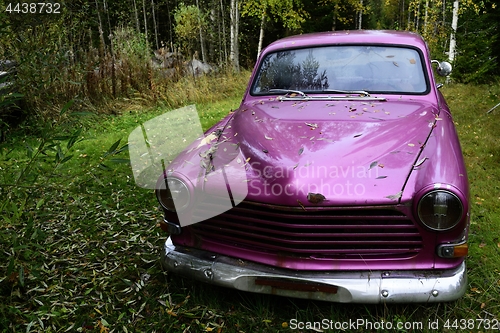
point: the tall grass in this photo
(103, 75)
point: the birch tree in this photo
(454, 24)
(289, 12)
(234, 50)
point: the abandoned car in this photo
(340, 177)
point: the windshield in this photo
(384, 69)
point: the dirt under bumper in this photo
(345, 287)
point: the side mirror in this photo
(444, 68)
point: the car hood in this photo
(342, 153)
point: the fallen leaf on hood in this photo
(373, 164)
(206, 140)
(313, 126)
(411, 144)
(420, 162)
(381, 177)
(395, 196)
(357, 135)
(301, 150)
(267, 138)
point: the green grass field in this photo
(79, 244)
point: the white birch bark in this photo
(360, 17)
(261, 34)
(234, 52)
(454, 25)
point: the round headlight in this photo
(440, 210)
(173, 194)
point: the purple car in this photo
(340, 177)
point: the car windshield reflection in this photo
(345, 68)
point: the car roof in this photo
(349, 37)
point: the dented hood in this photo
(315, 153)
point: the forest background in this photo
(100, 50)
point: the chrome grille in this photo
(334, 232)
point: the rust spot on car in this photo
(315, 198)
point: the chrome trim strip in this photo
(352, 287)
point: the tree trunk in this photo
(202, 40)
(145, 21)
(224, 43)
(360, 15)
(138, 26)
(454, 24)
(426, 16)
(261, 34)
(154, 23)
(417, 17)
(112, 52)
(101, 32)
(234, 53)
(334, 19)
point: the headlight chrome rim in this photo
(173, 202)
(431, 225)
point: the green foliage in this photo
(290, 13)
(188, 22)
(477, 58)
(130, 45)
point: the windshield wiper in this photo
(361, 93)
(288, 92)
(297, 95)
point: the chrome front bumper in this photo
(344, 287)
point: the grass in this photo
(80, 251)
